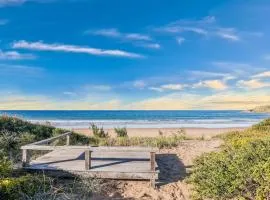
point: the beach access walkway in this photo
(126, 163)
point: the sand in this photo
(174, 165)
(153, 132)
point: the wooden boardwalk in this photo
(132, 163)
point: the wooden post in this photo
(88, 159)
(68, 140)
(153, 168)
(26, 155)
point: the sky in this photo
(134, 55)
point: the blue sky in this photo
(96, 54)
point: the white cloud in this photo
(213, 84)
(222, 100)
(265, 74)
(173, 87)
(180, 40)
(178, 100)
(168, 87)
(157, 89)
(205, 27)
(210, 75)
(149, 45)
(137, 36)
(228, 33)
(115, 33)
(40, 46)
(253, 84)
(14, 55)
(139, 84)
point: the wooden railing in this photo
(43, 146)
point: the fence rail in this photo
(43, 145)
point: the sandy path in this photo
(174, 165)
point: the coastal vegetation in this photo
(123, 140)
(240, 170)
(16, 184)
(98, 132)
(121, 132)
(261, 109)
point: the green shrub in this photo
(15, 133)
(240, 170)
(5, 167)
(121, 132)
(98, 132)
(22, 187)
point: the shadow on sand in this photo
(171, 168)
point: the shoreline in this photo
(154, 132)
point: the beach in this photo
(153, 132)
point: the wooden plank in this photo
(100, 148)
(68, 140)
(87, 156)
(115, 165)
(26, 156)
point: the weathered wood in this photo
(46, 141)
(152, 161)
(114, 165)
(100, 148)
(153, 168)
(68, 140)
(26, 156)
(87, 158)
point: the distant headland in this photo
(261, 109)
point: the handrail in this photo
(49, 139)
(91, 148)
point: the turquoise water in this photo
(142, 119)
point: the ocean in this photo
(143, 119)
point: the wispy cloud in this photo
(3, 21)
(267, 57)
(262, 75)
(207, 27)
(70, 93)
(210, 75)
(149, 45)
(228, 34)
(180, 40)
(41, 46)
(4, 3)
(212, 84)
(140, 84)
(137, 39)
(115, 33)
(20, 70)
(14, 55)
(169, 87)
(97, 87)
(253, 84)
